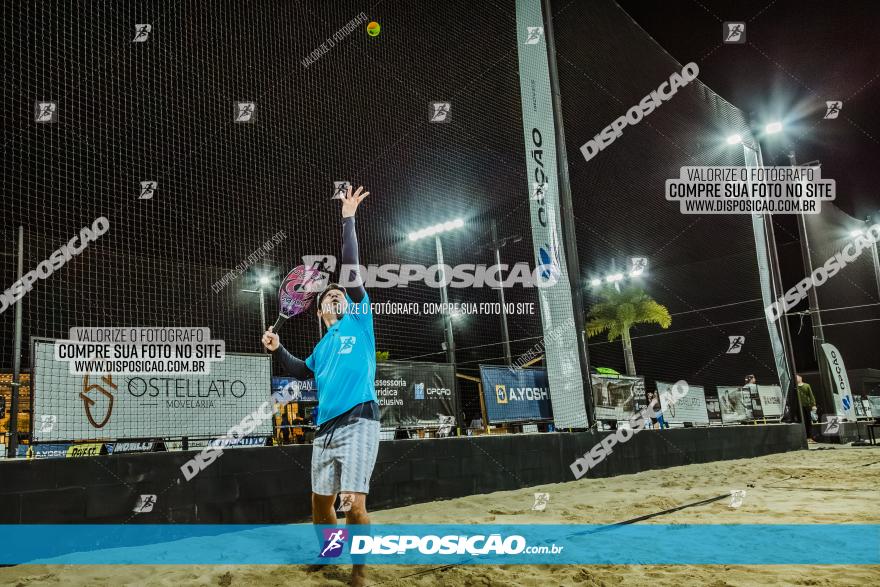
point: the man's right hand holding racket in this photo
(270, 340)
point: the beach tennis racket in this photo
(297, 292)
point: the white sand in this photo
(783, 488)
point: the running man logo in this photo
(833, 108)
(539, 190)
(245, 112)
(346, 500)
(637, 266)
(734, 33)
(541, 501)
(533, 35)
(439, 111)
(148, 190)
(144, 504)
(89, 403)
(340, 188)
(735, 344)
(736, 498)
(45, 111)
(334, 540)
(832, 426)
(47, 423)
(500, 393)
(346, 344)
(141, 32)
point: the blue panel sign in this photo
(515, 395)
(288, 389)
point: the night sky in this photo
(797, 55)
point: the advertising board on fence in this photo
(735, 403)
(289, 389)
(515, 395)
(771, 400)
(689, 408)
(415, 394)
(617, 397)
(102, 407)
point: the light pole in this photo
(263, 280)
(496, 246)
(776, 276)
(874, 255)
(436, 231)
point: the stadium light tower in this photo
(263, 280)
(773, 128)
(435, 231)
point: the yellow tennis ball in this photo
(373, 29)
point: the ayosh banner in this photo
(560, 337)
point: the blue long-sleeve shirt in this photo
(296, 367)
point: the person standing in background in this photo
(808, 405)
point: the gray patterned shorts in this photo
(345, 464)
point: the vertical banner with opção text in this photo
(843, 399)
(560, 337)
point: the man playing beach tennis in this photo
(343, 365)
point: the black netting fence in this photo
(145, 133)
(849, 301)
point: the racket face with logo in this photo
(298, 290)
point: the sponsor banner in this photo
(542, 190)
(873, 407)
(84, 450)
(288, 389)
(842, 392)
(735, 403)
(487, 544)
(135, 446)
(43, 451)
(95, 406)
(691, 407)
(415, 394)
(618, 397)
(233, 442)
(515, 395)
(713, 408)
(770, 397)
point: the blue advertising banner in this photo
(515, 394)
(288, 389)
(463, 544)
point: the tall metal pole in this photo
(504, 332)
(16, 356)
(815, 317)
(876, 257)
(569, 237)
(444, 299)
(263, 308)
(776, 277)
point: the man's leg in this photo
(359, 445)
(323, 511)
(358, 515)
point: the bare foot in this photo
(358, 578)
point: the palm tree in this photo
(618, 311)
